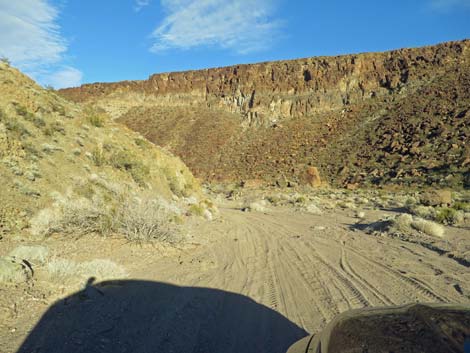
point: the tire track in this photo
(416, 286)
(361, 281)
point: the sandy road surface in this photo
(260, 282)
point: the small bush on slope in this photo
(37, 126)
(137, 217)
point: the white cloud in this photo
(139, 4)
(65, 77)
(239, 25)
(30, 37)
(446, 5)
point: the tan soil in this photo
(248, 282)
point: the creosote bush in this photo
(144, 219)
(138, 218)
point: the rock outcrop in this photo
(274, 120)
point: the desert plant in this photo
(96, 120)
(98, 157)
(145, 219)
(78, 216)
(16, 128)
(428, 227)
(447, 215)
(462, 206)
(125, 160)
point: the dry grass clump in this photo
(96, 120)
(145, 219)
(74, 215)
(137, 217)
(405, 222)
(428, 227)
(65, 271)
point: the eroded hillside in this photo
(60, 161)
(398, 117)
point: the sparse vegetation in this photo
(97, 156)
(96, 120)
(405, 222)
(146, 219)
(125, 160)
(138, 218)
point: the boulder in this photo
(436, 198)
(13, 271)
(313, 177)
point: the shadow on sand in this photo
(143, 316)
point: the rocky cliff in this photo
(302, 111)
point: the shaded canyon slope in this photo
(400, 117)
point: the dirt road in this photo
(257, 283)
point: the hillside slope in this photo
(53, 150)
(271, 121)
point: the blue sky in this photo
(68, 42)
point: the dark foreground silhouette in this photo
(142, 316)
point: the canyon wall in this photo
(267, 92)
(399, 117)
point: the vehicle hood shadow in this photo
(144, 316)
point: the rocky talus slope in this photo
(399, 117)
(53, 150)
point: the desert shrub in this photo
(96, 120)
(5, 60)
(273, 199)
(97, 156)
(405, 222)
(21, 110)
(54, 127)
(16, 128)
(197, 210)
(125, 160)
(50, 148)
(146, 219)
(37, 121)
(62, 270)
(428, 227)
(78, 216)
(30, 149)
(142, 142)
(447, 215)
(462, 206)
(26, 190)
(137, 218)
(427, 212)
